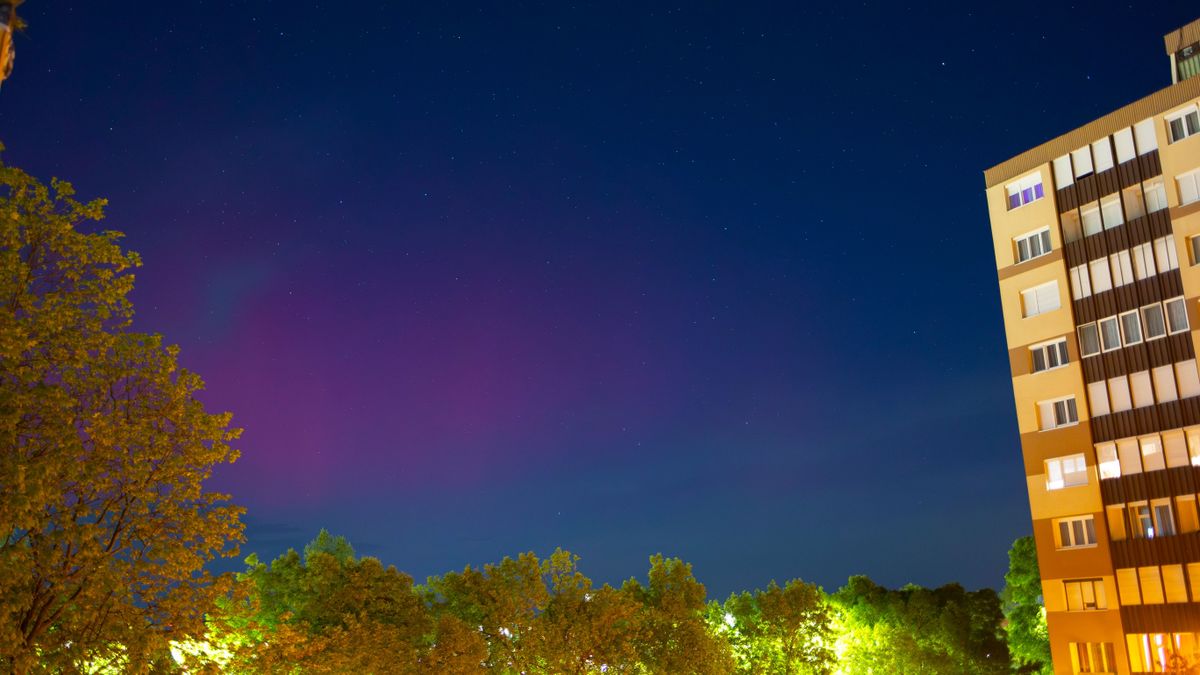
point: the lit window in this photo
(1076, 532)
(1174, 586)
(1085, 594)
(1151, 583)
(1127, 586)
(1093, 657)
(1024, 191)
(1143, 261)
(1032, 245)
(1153, 323)
(1177, 320)
(1118, 393)
(1059, 413)
(1152, 456)
(1040, 299)
(1188, 379)
(1110, 334)
(1164, 519)
(1065, 472)
(1130, 456)
(1141, 520)
(1106, 459)
(1164, 384)
(1049, 355)
(1183, 124)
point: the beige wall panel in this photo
(1069, 501)
(1050, 384)
(1077, 563)
(1007, 225)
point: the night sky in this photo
(708, 280)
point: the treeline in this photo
(327, 610)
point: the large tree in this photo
(105, 523)
(1028, 639)
(780, 631)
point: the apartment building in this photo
(1097, 243)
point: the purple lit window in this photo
(1024, 192)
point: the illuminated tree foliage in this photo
(920, 630)
(1028, 639)
(105, 526)
(780, 630)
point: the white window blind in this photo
(1143, 133)
(1123, 139)
(1041, 299)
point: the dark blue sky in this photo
(708, 280)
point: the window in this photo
(1143, 392)
(1118, 393)
(1130, 456)
(1175, 449)
(1164, 521)
(1102, 154)
(1189, 520)
(1049, 355)
(1101, 279)
(1065, 472)
(1127, 586)
(1063, 175)
(1070, 225)
(1085, 594)
(1089, 339)
(1082, 159)
(1123, 139)
(1131, 328)
(1189, 187)
(1098, 398)
(1122, 269)
(1040, 299)
(1135, 204)
(1187, 378)
(1154, 325)
(1194, 248)
(1143, 134)
(1141, 521)
(1151, 582)
(1116, 521)
(1033, 245)
(1177, 320)
(1152, 456)
(1076, 532)
(1081, 282)
(1093, 657)
(1183, 124)
(1106, 459)
(1164, 252)
(1110, 335)
(1091, 219)
(1058, 413)
(1173, 584)
(1143, 261)
(1156, 196)
(1111, 213)
(1164, 384)
(1024, 191)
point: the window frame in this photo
(1058, 347)
(1167, 315)
(1187, 125)
(1031, 182)
(1083, 342)
(1162, 314)
(1041, 236)
(1063, 545)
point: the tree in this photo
(1028, 639)
(781, 630)
(105, 524)
(327, 611)
(920, 630)
(675, 637)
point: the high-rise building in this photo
(1097, 243)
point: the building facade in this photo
(1097, 243)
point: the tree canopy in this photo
(107, 526)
